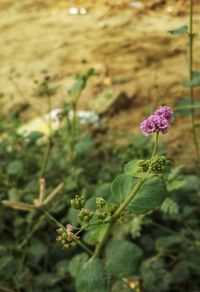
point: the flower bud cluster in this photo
(78, 203)
(101, 215)
(156, 164)
(144, 165)
(104, 210)
(66, 237)
(100, 202)
(85, 215)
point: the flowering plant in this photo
(139, 190)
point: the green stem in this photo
(46, 158)
(47, 153)
(155, 145)
(116, 215)
(73, 128)
(58, 224)
(90, 225)
(101, 243)
(191, 37)
(84, 247)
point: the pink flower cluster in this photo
(158, 122)
(70, 234)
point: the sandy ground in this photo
(130, 49)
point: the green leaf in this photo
(80, 82)
(131, 167)
(93, 277)
(34, 136)
(91, 204)
(90, 73)
(182, 106)
(180, 272)
(179, 31)
(15, 168)
(78, 85)
(151, 194)
(122, 186)
(36, 251)
(123, 258)
(195, 74)
(76, 263)
(13, 194)
(169, 243)
(95, 234)
(195, 82)
(155, 276)
(84, 145)
(61, 268)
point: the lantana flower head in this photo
(158, 122)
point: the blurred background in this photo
(138, 63)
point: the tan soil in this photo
(130, 49)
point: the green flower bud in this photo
(101, 215)
(157, 164)
(64, 235)
(110, 208)
(85, 215)
(78, 203)
(100, 202)
(63, 241)
(73, 203)
(144, 165)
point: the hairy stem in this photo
(191, 37)
(116, 215)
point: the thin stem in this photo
(47, 153)
(30, 233)
(155, 145)
(58, 224)
(90, 225)
(116, 215)
(46, 158)
(191, 37)
(74, 126)
(83, 246)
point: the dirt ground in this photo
(129, 47)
